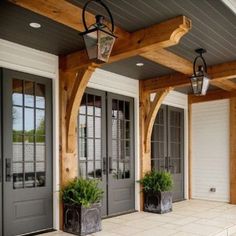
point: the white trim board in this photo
(17, 57)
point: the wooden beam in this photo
(170, 60)
(63, 12)
(211, 96)
(233, 150)
(218, 72)
(224, 84)
(159, 36)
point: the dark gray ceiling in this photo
(214, 28)
(188, 89)
(52, 37)
(149, 70)
(214, 24)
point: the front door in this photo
(106, 148)
(167, 149)
(27, 154)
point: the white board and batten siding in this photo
(24, 59)
(210, 150)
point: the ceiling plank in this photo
(170, 60)
(220, 72)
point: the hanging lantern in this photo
(98, 38)
(200, 80)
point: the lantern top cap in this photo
(200, 50)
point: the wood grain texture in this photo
(233, 150)
(170, 60)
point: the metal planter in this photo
(160, 202)
(80, 220)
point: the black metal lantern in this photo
(98, 38)
(200, 80)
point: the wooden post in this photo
(233, 150)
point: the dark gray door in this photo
(1, 216)
(27, 153)
(120, 154)
(105, 125)
(167, 146)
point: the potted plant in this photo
(82, 206)
(157, 191)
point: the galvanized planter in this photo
(160, 202)
(80, 220)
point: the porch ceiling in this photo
(213, 28)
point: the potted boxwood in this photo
(157, 188)
(82, 206)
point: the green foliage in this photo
(82, 192)
(156, 181)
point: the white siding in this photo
(210, 150)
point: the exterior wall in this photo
(24, 59)
(114, 83)
(210, 150)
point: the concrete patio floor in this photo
(189, 218)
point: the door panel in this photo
(92, 139)
(120, 154)
(167, 149)
(1, 178)
(27, 129)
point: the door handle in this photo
(110, 165)
(104, 165)
(8, 170)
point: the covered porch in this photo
(64, 116)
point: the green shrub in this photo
(156, 181)
(82, 192)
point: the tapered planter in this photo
(160, 202)
(80, 220)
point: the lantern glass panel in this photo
(205, 85)
(91, 43)
(105, 45)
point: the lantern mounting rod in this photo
(97, 17)
(200, 51)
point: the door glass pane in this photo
(82, 169)
(98, 106)
(90, 149)
(40, 122)
(90, 104)
(29, 144)
(90, 127)
(17, 119)
(29, 175)
(29, 93)
(82, 126)
(29, 120)
(17, 96)
(98, 150)
(90, 166)
(17, 171)
(17, 148)
(40, 95)
(82, 109)
(98, 127)
(98, 168)
(40, 174)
